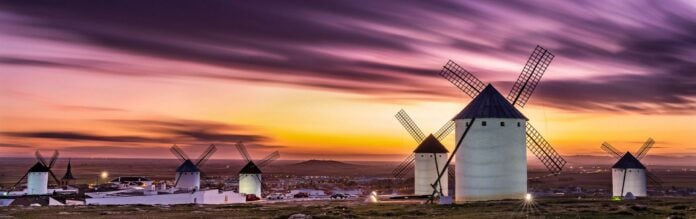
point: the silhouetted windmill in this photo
(188, 174)
(37, 175)
(628, 173)
(250, 175)
(428, 158)
(493, 163)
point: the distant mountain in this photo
(325, 164)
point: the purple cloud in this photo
(641, 52)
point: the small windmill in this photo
(250, 175)
(188, 174)
(628, 173)
(37, 175)
(429, 157)
(493, 163)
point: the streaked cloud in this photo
(633, 57)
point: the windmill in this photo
(429, 157)
(492, 163)
(188, 174)
(37, 175)
(628, 173)
(250, 175)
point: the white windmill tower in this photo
(37, 175)
(492, 161)
(188, 174)
(628, 175)
(429, 158)
(250, 175)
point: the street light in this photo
(528, 197)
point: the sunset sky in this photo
(323, 79)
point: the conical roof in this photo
(430, 145)
(187, 166)
(250, 168)
(38, 167)
(490, 104)
(628, 161)
(68, 173)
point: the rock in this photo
(300, 216)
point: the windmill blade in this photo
(243, 151)
(53, 159)
(40, 158)
(206, 155)
(530, 76)
(410, 126)
(645, 148)
(653, 178)
(611, 150)
(20, 179)
(176, 181)
(462, 79)
(263, 185)
(543, 150)
(176, 150)
(54, 177)
(404, 167)
(445, 130)
(268, 159)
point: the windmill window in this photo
(421, 155)
(483, 123)
(431, 155)
(518, 124)
(502, 123)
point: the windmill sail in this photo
(543, 150)
(243, 151)
(645, 148)
(176, 150)
(611, 150)
(404, 167)
(206, 155)
(410, 126)
(268, 159)
(531, 74)
(462, 79)
(445, 130)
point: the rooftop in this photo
(628, 161)
(489, 104)
(431, 145)
(250, 168)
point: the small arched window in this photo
(483, 123)
(502, 123)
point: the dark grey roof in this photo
(68, 173)
(250, 168)
(628, 161)
(430, 145)
(38, 167)
(187, 166)
(489, 104)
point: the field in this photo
(545, 208)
